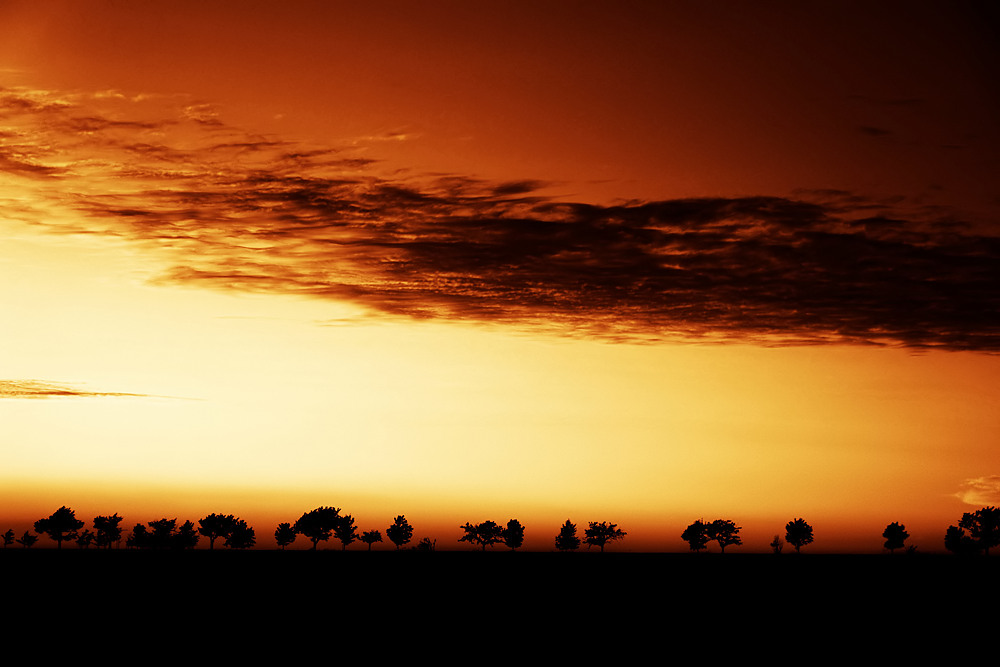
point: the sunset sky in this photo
(636, 262)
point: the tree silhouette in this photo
(798, 533)
(241, 535)
(345, 531)
(370, 537)
(60, 525)
(485, 534)
(8, 538)
(696, 535)
(425, 544)
(318, 524)
(186, 537)
(85, 539)
(107, 530)
(215, 526)
(513, 534)
(284, 535)
(776, 544)
(139, 539)
(27, 540)
(400, 532)
(956, 541)
(983, 526)
(599, 534)
(725, 533)
(895, 535)
(567, 540)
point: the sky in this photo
(637, 262)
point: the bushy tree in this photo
(107, 530)
(895, 536)
(370, 537)
(139, 538)
(60, 525)
(241, 535)
(983, 526)
(425, 544)
(400, 532)
(345, 531)
(284, 534)
(696, 535)
(798, 533)
(724, 532)
(600, 534)
(215, 526)
(318, 524)
(186, 536)
(485, 534)
(513, 534)
(27, 540)
(776, 544)
(8, 538)
(567, 540)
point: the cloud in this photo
(40, 389)
(240, 211)
(980, 491)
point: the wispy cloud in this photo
(241, 211)
(40, 389)
(980, 491)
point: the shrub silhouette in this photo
(85, 539)
(60, 525)
(957, 542)
(599, 534)
(27, 540)
(345, 531)
(241, 536)
(798, 533)
(8, 538)
(400, 532)
(776, 544)
(215, 526)
(895, 536)
(567, 540)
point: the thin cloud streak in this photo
(239, 211)
(39, 389)
(980, 491)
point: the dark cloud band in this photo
(243, 212)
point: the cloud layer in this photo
(239, 211)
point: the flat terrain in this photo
(457, 597)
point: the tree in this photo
(27, 540)
(798, 533)
(186, 537)
(776, 544)
(696, 535)
(484, 534)
(513, 534)
(567, 540)
(8, 538)
(724, 532)
(107, 530)
(599, 534)
(425, 544)
(139, 539)
(400, 532)
(60, 525)
(370, 537)
(956, 541)
(284, 535)
(318, 524)
(895, 535)
(215, 526)
(345, 531)
(85, 539)
(983, 526)
(241, 536)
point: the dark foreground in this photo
(453, 601)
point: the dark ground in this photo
(462, 604)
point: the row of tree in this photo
(976, 532)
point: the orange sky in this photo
(464, 261)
